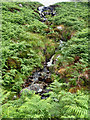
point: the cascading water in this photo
(50, 62)
(42, 78)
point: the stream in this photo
(41, 79)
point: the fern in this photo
(75, 105)
(24, 40)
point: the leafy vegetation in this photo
(26, 45)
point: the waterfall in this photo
(50, 62)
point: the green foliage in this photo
(17, 14)
(26, 45)
(30, 105)
(36, 26)
(78, 45)
(22, 51)
(74, 57)
(69, 105)
(70, 16)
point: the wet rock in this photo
(43, 11)
(46, 90)
(55, 99)
(40, 8)
(38, 88)
(36, 76)
(44, 19)
(30, 78)
(60, 27)
(45, 70)
(28, 81)
(43, 95)
(40, 78)
(20, 5)
(34, 87)
(14, 97)
(48, 80)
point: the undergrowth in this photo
(27, 42)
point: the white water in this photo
(50, 2)
(50, 63)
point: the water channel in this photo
(41, 79)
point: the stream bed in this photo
(41, 79)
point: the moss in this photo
(13, 63)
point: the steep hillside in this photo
(23, 43)
(45, 72)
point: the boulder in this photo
(35, 87)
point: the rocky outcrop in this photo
(43, 11)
